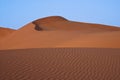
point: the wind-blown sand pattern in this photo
(55, 48)
(60, 64)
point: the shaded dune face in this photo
(38, 28)
(5, 31)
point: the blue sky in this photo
(16, 13)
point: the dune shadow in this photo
(37, 27)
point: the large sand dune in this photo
(57, 31)
(60, 64)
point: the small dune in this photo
(53, 23)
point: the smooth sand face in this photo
(5, 32)
(60, 64)
(62, 39)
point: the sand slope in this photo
(62, 39)
(60, 64)
(5, 31)
(57, 31)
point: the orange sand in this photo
(54, 48)
(60, 64)
(4, 32)
(57, 31)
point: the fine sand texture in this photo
(56, 31)
(60, 64)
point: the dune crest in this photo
(49, 20)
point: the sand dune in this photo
(60, 64)
(59, 23)
(55, 48)
(4, 32)
(57, 31)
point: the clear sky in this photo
(16, 13)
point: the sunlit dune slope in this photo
(5, 31)
(61, 39)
